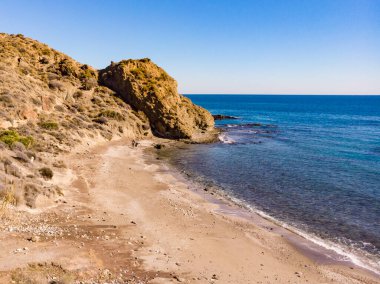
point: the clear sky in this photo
(218, 46)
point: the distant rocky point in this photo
(223, 117)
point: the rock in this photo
(34, 239)
(29, 114)
(222, 117)
(179, 279)
(150, 89)
(159, 146)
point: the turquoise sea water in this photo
(311, 162)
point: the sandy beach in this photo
(125, 217)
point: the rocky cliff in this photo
(147, 87)
(50, 103)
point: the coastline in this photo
(319, 250)
(126, 216)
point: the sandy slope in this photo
(126, 219)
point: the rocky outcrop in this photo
(148, 88)
(223, 117)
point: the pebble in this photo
(179, 279)
(34, 239)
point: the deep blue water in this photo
(310, 161)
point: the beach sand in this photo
(127, 217)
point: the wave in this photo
(344, 250)
(339, 250)
(223, 137)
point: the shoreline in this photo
(319, 250)
(124, 218)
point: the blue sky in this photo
(218, 46)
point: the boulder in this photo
(148, 88)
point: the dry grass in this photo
(8, 198)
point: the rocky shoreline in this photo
(82, 202)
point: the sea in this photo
(311, 163)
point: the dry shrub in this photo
(22, 157)
(31, 192)
(89, 83)
(46, 173)
(18, 146)
(112, 114)
(12, 170)
(56, 85)
(78, 94)
(48, 125)
(8, 198)
(100, 120)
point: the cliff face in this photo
(149, 88)
(50, 103)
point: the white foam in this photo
(223, 137)
(341, 250)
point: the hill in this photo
(50, 104)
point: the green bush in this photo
(10, 137)
(111, 114)
(48, 125)
(87, 73)
(46, 51)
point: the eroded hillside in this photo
(50, 103)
